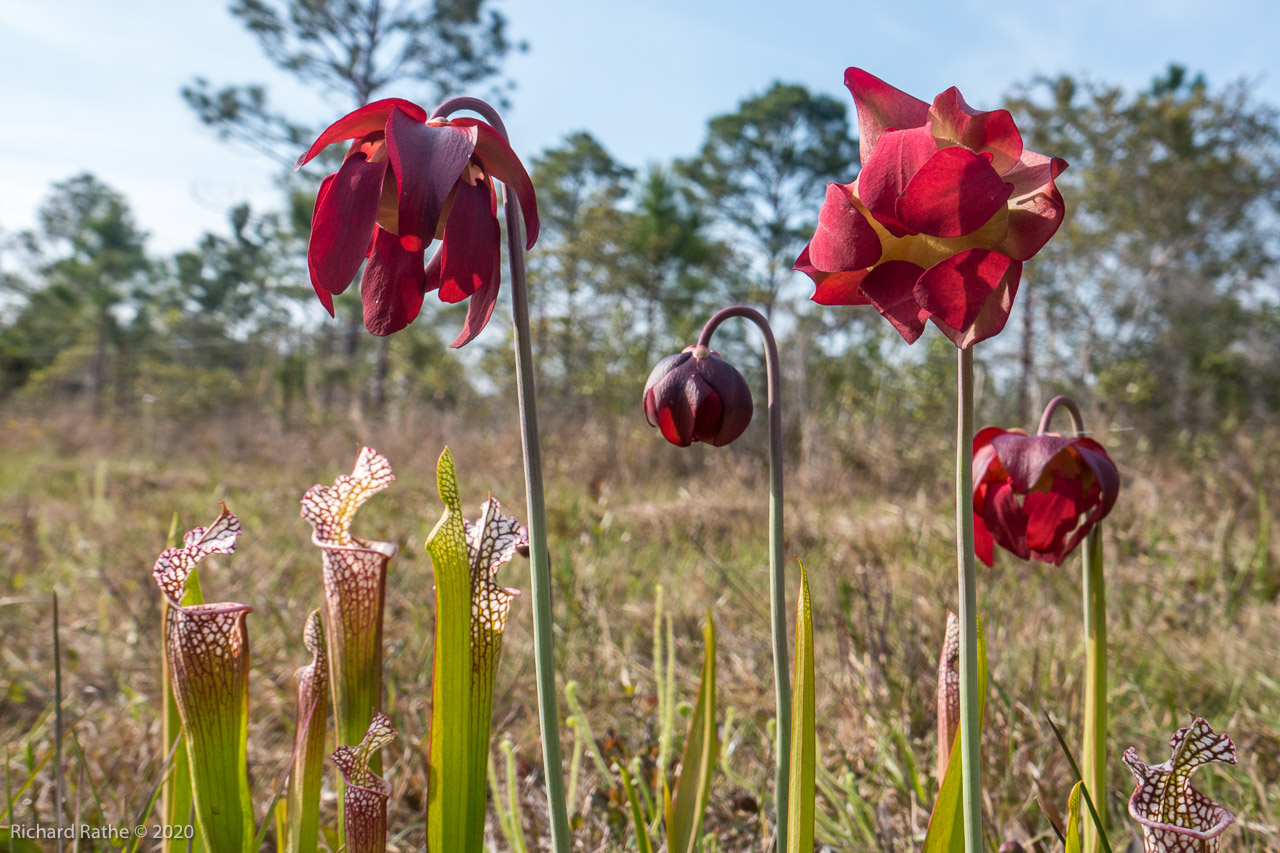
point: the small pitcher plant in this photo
(355, 578)
(207, 653)
(302, 805)
(1175, 817)
(364, 802)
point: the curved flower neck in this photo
(1062, 401)
(481, 108)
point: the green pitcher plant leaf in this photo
(684, 827)
(804, 746)
(355, 576)
(364, 800)
(207, 648)
(471, 614)
(1175, 817)
(302, 809)
(1072, 841)
(946, 823)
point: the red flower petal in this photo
(479, 310)
(1025, 457)
(983, 455)
(470, 252)
(891, 288)
(502, 163)
(844, 239)
(839, 288)
(970, 294)
(1050, 517)
(954, 193)
(326, 298)
(343, 220)
(992, 132)
(984, 546)
(1006, 520)
(367, 119)
(393, 284)
(1036, 207)
(1099, 462)
(427, 160)
(886, 173)
(881, 106)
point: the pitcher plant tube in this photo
(364, 800)
(1039, 496)
(443, 170)
(471, 615)
(1175, 817)
(697, 396)
(207, 649)
(355, 579)
(947, 207)
(302, 809)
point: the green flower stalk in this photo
(471, 614)
(1175, 817)
(364, 803)
(207, 648)
(355, 574)
(302, 812)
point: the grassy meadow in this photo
(1193, 577)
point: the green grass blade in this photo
(804, 747)
(643, 843)
(1072, 842)
(448, 782)
(698, 760)
(946, 823)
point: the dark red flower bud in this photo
(697, 396)
(1038, 495)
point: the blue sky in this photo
(94, 86)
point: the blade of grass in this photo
(1075, 769)
(698, 760)
(643, 843)
(59, 788)
(804, 751)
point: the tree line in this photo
(1157, 302)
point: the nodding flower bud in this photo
(697, 396)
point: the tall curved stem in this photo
(539, 557)
(777, 582)
(970, 715)
(1094, 590)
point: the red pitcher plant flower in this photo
(946, 208)
(405, 181)
(696, 395)
(1175, 817)
(364, 802)
(355, 575)
(1038, 495)
(207, 650)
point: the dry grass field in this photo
(1193, 577)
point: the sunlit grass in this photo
(1190, 575)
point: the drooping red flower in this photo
(696, 395)
(945, 210)
(1038, 495)
(404, 182)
